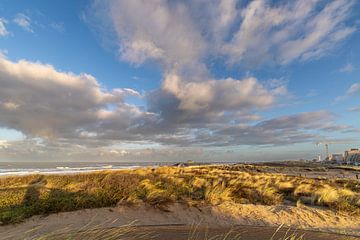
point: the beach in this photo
(216, 196)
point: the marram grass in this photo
(130, 232)
(24, 196)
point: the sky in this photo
(171, 80)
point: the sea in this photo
(26, 168)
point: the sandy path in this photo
(222, 216)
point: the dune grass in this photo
(24, 196)
(130, 232)
(126, 232)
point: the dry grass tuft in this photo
(24, 196)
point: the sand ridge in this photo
(225, 214)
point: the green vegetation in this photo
(25, 196)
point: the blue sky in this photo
(160, 80)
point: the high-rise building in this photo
(352, 156)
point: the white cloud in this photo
(67, 110)
(320, 33)
(350, 92)
(4, 144)
(10, 106)
(354, 109)
(73, 113)
(3, 30)
(179, 33)
(70, 116)
(41, 101)
(219, 95)
(23, 21)
(183, 101)
(57, 151)
(348, 68)
(165, 32)
(300, 30)
(354, 89)
(139, 51)
(185, 36)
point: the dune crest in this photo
(226, 214)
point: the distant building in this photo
(338, 158)
(352, 156)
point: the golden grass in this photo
(25, 196)
(89, 232)
(130, 232)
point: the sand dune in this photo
(225, 215)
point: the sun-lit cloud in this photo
(181, 38)
(4, 144)
(222, 100)
(41, 101)
(193, 107)
(259, 32)
(74, 109)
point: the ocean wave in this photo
(62, 170)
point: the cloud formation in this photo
(58, 151)
(23, 21)
(354, 109)
(73, 113)
(186, 36)
(348, 68)
(3, 30)
(183, 101)
(184, 32)
(40, 101)
(352, 91)
(167, 33)
(297, 128)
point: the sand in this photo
(176, 215)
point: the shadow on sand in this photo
(38, 199)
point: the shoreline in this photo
(61, 170)
(15, 174)
(288, 167)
